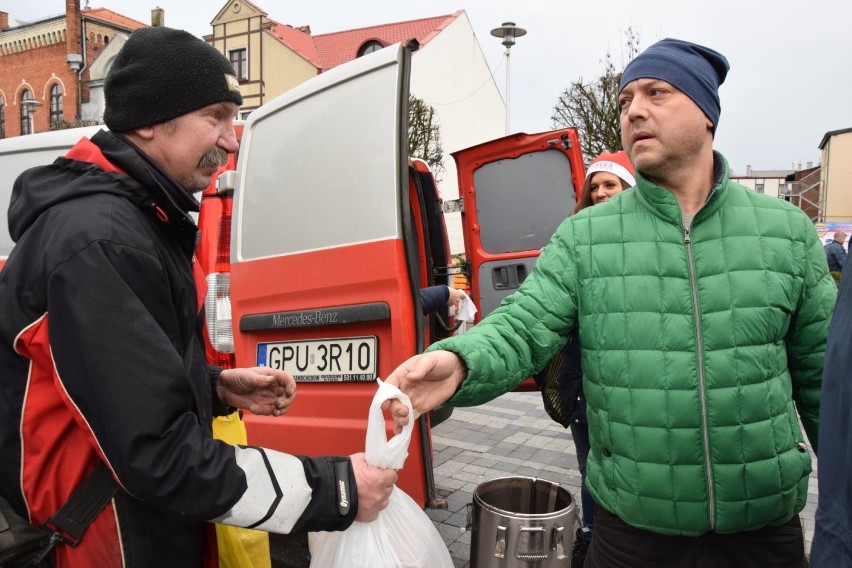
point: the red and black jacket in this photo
(100, 360)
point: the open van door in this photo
(515, 192)
(326, 261)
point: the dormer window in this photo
(370, 47)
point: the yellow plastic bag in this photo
(239, 547)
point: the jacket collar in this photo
(663, 203)
(162, 196)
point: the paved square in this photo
(512, 435)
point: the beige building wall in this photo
(238, 26)
(283, 68)
(837, 178)
(272, 67)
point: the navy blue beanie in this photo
(694, 69)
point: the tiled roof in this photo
(295, 39)
(112, 18)
(330, 50)
(340, 47)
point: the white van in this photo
(24, 152)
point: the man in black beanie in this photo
(702, 309)
(99, 347)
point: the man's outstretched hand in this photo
(429, 380)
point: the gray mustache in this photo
(215, 157)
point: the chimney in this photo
(72, 26)
(4, 21)
(810, 165)
(158, 17)
(748, 170)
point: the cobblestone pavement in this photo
(511, 435)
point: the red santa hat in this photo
(617, 164)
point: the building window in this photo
(240, 63)
(26, 113)
(370, 47)
(55, 104)
(2, 118)
(758, 187)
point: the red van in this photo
(335, 230)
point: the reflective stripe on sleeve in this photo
(277, 493)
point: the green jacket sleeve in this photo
(528, 328)
(808, 333)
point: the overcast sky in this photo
(791, 62)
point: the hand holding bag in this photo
(402, 536)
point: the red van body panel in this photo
(329, 418)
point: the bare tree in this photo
(424, 135)
(592, 107)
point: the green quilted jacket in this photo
(695, 345)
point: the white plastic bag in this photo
(467, 310)
(402, 536)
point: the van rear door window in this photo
(316, 175)
(520, 202)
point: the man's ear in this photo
(144, 132)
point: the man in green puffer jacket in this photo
(702, 309)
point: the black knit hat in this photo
(162, 73)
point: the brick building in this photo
(44, 65)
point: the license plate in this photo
(341, 359)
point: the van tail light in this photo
(217, 305)
(217, 313)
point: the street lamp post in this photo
(508, 31)
(31, 104)
(75, 62)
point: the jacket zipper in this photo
(701, 385)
